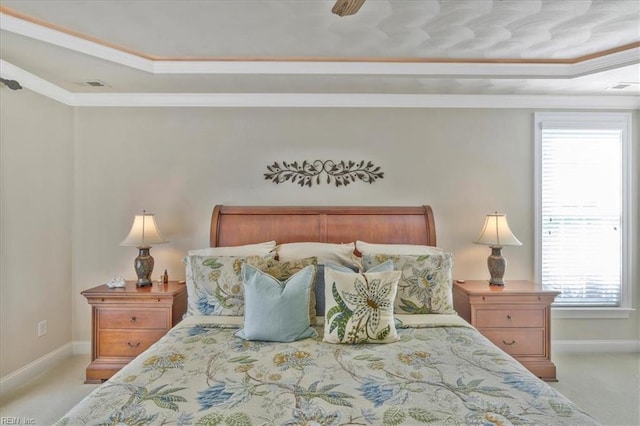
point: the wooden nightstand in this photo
(515, 317)
(127, 320)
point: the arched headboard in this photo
(238, 225)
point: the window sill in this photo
(563, 312)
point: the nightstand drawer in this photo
(133, 319)
(518, 341)
(126, 343)
(488, 318)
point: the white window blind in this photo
(581, 209)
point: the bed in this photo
(431, 368)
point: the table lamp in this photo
(143, 233)
(497, 234)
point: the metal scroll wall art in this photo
(307, 173)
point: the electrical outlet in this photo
(42, 328)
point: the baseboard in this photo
(81, 347)
(30, 371)
(594, 346)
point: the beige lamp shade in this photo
(496, 232)
(144, 232)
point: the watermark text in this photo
(17, 421)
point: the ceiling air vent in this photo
(627, 86)
(92, 83)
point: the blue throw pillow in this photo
(276, 311)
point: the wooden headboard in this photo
(235, 225)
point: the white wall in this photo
(73, 180)
(179, 162)
(36, 143)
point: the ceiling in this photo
(251, 49)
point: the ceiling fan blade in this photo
(347, 7)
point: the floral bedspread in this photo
(441, 372)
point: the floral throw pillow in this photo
(283, 270)
(214, 284)
(425, 286)
(359, 307)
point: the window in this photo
(583, 200)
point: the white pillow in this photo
(342, 254)
(260, 249)
(397, 249)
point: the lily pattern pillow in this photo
(360, 307)
(425, 286)
(214, 284)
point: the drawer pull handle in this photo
(508, 316)
(509, 343)
(133, 345)
(133, 319)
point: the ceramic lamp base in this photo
(144, 266)
(497, 264)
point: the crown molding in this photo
(606, 62)
(310, 100)
(427, 69)
(351, 100)
(436, 68)
(77, 44)
(34, 83)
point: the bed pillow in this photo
(260, 249)
(400, 249)
(425, 286)
(360, 307)
(214, 284)
(275, 310)
(341, 254)
(319, 287)
(283, 270)
(381, 267)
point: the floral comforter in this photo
(442, 372)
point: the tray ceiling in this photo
(417, 47)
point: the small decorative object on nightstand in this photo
(116, 282)
(517, 318)
(144, 232)
(126, 321)
(496, 234)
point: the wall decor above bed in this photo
(306, 173)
